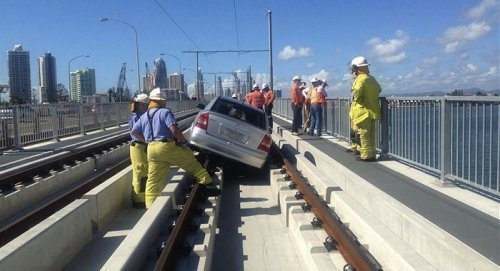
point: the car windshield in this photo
(240, 111)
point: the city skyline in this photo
(408, 51)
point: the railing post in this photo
(384, 126)
(324, 123)
(82, 120)
(56, 122)
(445, 140)
(101, 115)
(16, 116)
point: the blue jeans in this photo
(297, 117)
(316, 118)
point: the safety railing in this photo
(27, 124)
(454, 138)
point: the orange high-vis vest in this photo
(316, 97)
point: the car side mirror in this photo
(200, 106)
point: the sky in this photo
(412, 46)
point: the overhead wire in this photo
(182, 30)
(237, 34)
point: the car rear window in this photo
(237, 110)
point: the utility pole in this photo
(269, 12)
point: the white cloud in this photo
(478, 11)
(470, 68)
(393, 58)
(288, 52)
(323, 75)
(472, 31)
(431, 61)
(310, 65)
(389, 51)
(455, 47)
(492, 71)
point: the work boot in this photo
(371, 159)
(215, 180)
(211, 190)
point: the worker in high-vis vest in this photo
(138, 156)
(317, 96)
(166, 147)
(365, 108)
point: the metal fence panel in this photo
(455, 138)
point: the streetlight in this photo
(69, 76)
(136, 47)
(178, 60)
(181, 91)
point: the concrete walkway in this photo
(252, 234)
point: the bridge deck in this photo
(476, 225)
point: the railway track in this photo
(182, 221)
(27, 213)
(340, 237)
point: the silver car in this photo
(233, 130)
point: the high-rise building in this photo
(160, 78)
(19, 75)
(82, 84)
(176, 81)
(47, 86)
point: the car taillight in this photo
(202, 121)
(265, 144)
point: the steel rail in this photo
(9, 178)
(355, 255)
(15, 225)
(173, 245)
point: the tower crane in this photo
(120, 87)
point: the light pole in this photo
(136, 47)
(178, 60)
(69, 75)
(181, 91)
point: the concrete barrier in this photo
(52, 243)
(108, 198)
(28, 195)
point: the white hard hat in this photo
(157, 94)
(142, 98)
(296, 77)
(265, 85)
(255, 86)
(234, 95)
(314, 80)
(359, 61)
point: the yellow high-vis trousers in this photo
(139, 160)
(162, 155)
(366, 132)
